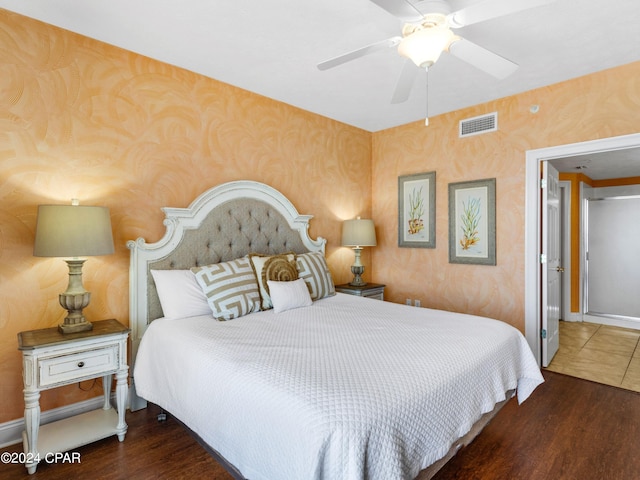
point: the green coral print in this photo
(416, 211)
(470, 219)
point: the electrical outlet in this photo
(417, 303)
(408, 301)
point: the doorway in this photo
(534, 159)
(611, 280)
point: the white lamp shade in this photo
(359, 232)
(73, 231)
(423, 47)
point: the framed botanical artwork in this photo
(472, 222)
(417, 210)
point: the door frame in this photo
(565, 245)
(532, 247)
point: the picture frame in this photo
(417, 210)
(472, 222)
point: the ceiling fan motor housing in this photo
(429, 21)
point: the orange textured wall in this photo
(79, 118)
(597, 106)
(615, 182)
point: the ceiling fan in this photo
(428, 32)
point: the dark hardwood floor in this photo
(151, 450)
(568, 429)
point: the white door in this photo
(550, 263)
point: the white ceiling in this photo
(272, 48)
(602, 166)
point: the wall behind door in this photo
(612, 256)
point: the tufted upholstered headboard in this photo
(229, 231)
(224, 223)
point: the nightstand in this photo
(370, 290)
(51, 359)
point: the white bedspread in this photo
(348, 388)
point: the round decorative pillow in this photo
(279, 269)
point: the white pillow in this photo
(289, 295)
(179, 294)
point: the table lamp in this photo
(73, 231)
(358, 233)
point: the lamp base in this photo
(357, 271)
(74, 300)
(65, 328)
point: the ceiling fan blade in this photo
(401, 9)
(488, 9)
(405, 82)
(360, 52)
(481, 58)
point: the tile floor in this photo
(601, 353)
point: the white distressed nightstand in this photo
(51, 359)
(371, 290)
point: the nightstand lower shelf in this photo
(73, 432)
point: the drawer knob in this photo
(80, 364)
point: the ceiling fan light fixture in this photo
(424, 46)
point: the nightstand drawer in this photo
(376, 296)
(63, 368)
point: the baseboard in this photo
(574, 317)
(616, 321)
(11, 432)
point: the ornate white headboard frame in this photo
(225, 222)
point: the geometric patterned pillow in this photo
(230, 287)
(313, 269)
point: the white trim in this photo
(585, 193)
(574, 317)
(614, 320)
(532, 221)
(584, 188)
(565, 187)
(11, 431)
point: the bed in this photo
(301, 382)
